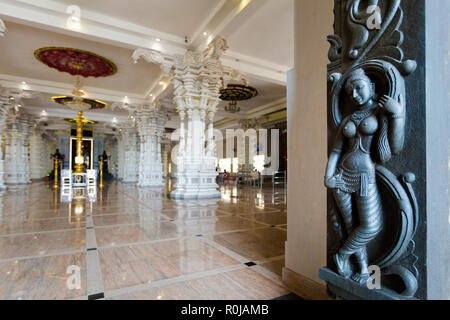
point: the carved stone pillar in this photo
(51, 145)
(151, 120)
(17, 131)
(387, 205)
(38, 152)
(27, 127)
(197, 79)
(130, 145)
(5, 106)
(249, 140)
(165, 158)
(120, 156)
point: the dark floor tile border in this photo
(96, 296)
(290, 296)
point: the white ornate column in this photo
(130, 144)
(27, 126)
(37, 153)
(120, 156)
(14, 167)
(151, 120)
(197, 78)
(51, 143)
(165, 158)
(5, 106)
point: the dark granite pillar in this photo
(387, 173)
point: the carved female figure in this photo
(351, 168)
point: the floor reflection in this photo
(130, 239)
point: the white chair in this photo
(66, 179)
(91, 177)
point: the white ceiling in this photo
(177, 17)
(259, 35)
(264, 31)
(17, 59)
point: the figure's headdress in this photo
(358, 74)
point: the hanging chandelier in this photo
(235, 93)
(77, 102)
(77, 63)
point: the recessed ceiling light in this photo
(205, 33)
(158, 39)
(23, 82)
(161, 83)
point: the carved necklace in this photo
(360, 115)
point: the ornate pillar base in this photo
(196, 179)
(349, 290)
(152, 177)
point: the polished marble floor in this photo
(124, 242)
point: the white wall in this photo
(307, 139)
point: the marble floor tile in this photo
(118, 235)
(17, 226)
(276, 266)
(41, 278)
(144, 240)
(269, 218)
(254, 244)
(107, 220)
(42, 243)
(141, 264)
(242, 284)
(194, 213)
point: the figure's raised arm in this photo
(396, 112)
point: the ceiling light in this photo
(205, 34)
(158, 39)
(161, 83)
(23, 82)
(73, 21)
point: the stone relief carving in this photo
(368, 117)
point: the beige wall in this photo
(307, 139)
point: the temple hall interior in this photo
(176, 150)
